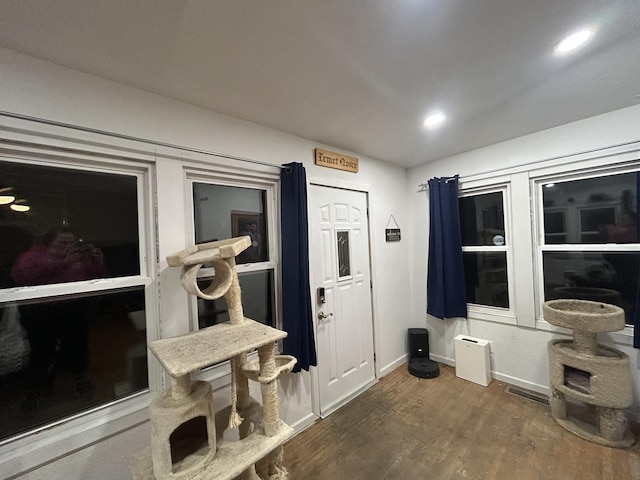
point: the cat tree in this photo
(586, 372)
(187, 441)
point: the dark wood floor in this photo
(407, 428)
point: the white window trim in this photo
(254, 177)
(486, 312)
(54, 146)
(606, 163)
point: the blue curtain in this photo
(446, 293)
(296, 302)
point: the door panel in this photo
(340, 256)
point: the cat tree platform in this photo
(185, 354)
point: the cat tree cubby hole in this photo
(577, 379)
(187, 440)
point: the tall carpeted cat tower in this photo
(187, 441)
(594, 376)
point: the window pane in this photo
(486, 278)
(482, 219)
(609, 277)
(59, 357)
(344, 258)
(555, 229)
(223, 212)
(257, 300)
(595, 210)
(81, 225)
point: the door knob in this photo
(322, 315)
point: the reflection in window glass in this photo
(596, 210)
(554, 227)
(224, 212)
(482, 219)
(257, 300)
(81, 224)
(344, 259)
(609, 277)
(486, 278)
(68, 355)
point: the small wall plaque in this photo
(325, 158)
(392, 234)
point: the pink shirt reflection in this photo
(59, 259)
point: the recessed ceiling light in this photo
(20, 208)
(573, 41)
(434, 120)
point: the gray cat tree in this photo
(187, 441)
(589, 374)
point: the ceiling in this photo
(359, 75)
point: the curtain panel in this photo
(296, 298)
(446, 293)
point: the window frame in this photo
(257, 178)
(564, 173)
(53, 146)
(488, 312)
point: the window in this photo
(344, 253)
(593, 254)
(484, 248)
(72, 292)
(225, 211)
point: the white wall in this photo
(519, 354)
(32, 87)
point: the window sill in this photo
(51, 442)
(622, 337)
(495, 315)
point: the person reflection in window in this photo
(626, 231)
(58, 331)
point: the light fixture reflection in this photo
(434, 120)
(6, 195)
(573, 41)
(16, 207)
(6, 199)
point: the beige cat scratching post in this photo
(186, 439)
(584, 371)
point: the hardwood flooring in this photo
(407, 428)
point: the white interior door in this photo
(340, 254)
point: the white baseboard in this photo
(387, 369)
(518, 382)
(304, 422)
(501, 377)
(440, 359)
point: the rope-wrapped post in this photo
(233, 296)
(240, 398)
(269, 390)
(272, 467)
(242, 393)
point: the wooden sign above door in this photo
(325, 158)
